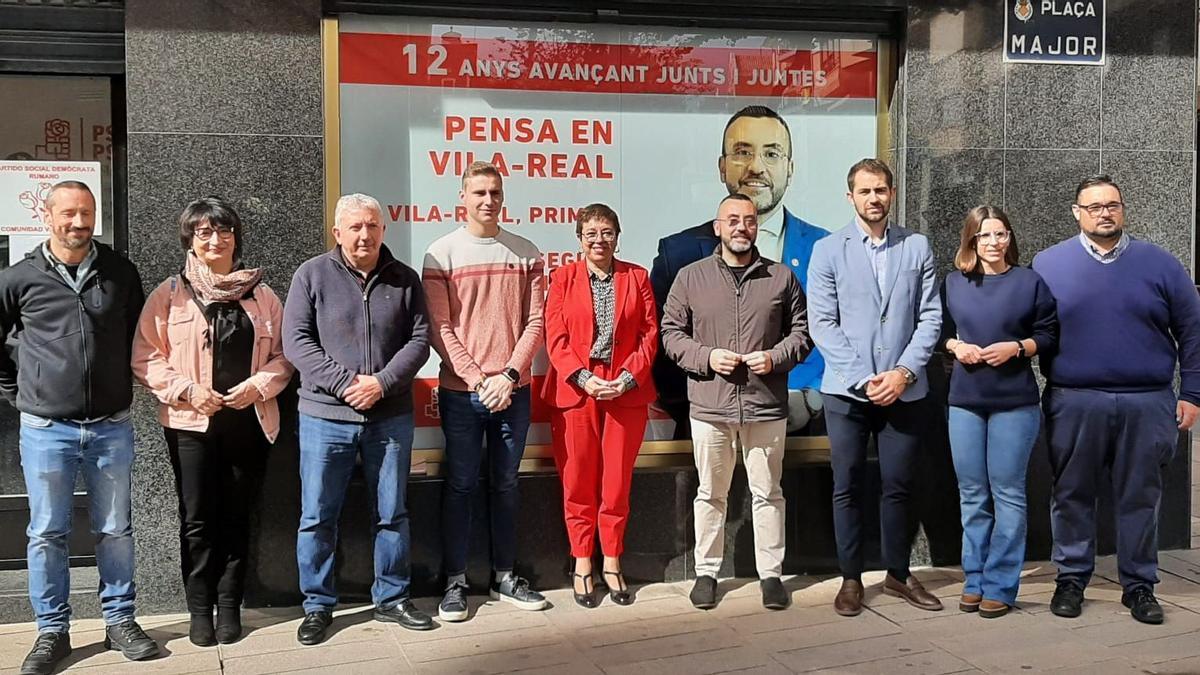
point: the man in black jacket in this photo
(74, 304)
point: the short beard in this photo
(763, 209)
(1107, 235)
(739, 248)
(882, 219)
(75, 243)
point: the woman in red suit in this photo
(601, 336)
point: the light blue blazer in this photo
(860, 333)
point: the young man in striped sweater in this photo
(485, 290)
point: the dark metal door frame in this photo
(74, 38)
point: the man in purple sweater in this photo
(1128, 312)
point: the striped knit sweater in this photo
(485, 298)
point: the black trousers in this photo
(217, 477)
(896, 429)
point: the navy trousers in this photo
(897, 430)
(1099, 436)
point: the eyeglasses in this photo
(745, 156)
(206, 233)
(734, 222)
(1000, 237)
(604, 235)
(1095, 210)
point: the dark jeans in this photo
(466, 422)
(217, 478)
(1096, 436)
(896, 429)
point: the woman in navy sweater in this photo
(996, 315)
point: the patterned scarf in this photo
(213, 287)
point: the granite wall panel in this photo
(235, 66)
(1157, 188)
(223, 98)
(1049, 106)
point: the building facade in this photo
(252, 101)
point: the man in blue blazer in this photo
(755, 161)
(874, 312)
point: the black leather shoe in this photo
(704, 593)
(773, 594)
(407, 615)
(618, 592)
(1142, 605)
(48, 650)
(313, 627)
(128, 638)
(586, 599)
(1067, 601)
(229, 625)
(200, 629)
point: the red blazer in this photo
(571, 326)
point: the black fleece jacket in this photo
(72, 349)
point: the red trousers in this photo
(595, 447)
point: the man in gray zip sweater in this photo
(356, 329)
(735, 323)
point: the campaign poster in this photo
(25, 184)
(634, 117)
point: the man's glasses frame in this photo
(1095, 210)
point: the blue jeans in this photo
(991, 454)
(328, 452)
(52, 453)
(465, 422)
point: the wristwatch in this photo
(513, 375)
(1020, 349)
(909, 376)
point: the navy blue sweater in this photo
(335, 328)
(984, 309)
(1125, 324)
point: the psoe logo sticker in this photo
(1023, 10)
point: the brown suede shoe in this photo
(991, 609)
(848, 601)
(913, 592)
(969, 602)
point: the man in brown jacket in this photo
(735, 323)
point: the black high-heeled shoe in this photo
(587, 599)
(619, 593)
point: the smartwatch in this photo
(1020, 349)
(513, 375)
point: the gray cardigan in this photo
(334, 328)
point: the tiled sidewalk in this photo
(661, 633)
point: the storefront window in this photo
(634, 117)
(57, 119)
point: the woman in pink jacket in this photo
(208, 347)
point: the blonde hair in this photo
(480, 169)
